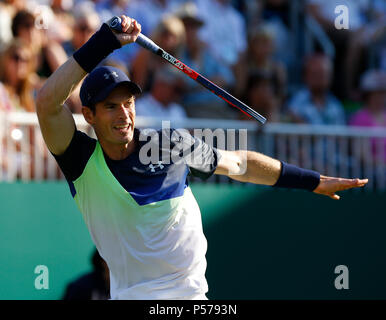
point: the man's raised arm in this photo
(254, 167)
(55, 119)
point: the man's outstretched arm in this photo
(55, 119)
(254, 167)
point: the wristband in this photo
(98, 47)
(297, 178)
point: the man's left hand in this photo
(328, 186)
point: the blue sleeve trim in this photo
(72, 188)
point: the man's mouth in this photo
(122, 128)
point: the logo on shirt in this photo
(107, 75)
(158, 165)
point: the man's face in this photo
(114, 118)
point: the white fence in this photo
(331, 150)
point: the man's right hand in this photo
(130, 30)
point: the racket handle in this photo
(146, 43)
(142, 40)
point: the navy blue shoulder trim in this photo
(73, 161)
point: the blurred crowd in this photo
(250, 48)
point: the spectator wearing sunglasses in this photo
(49, 53)
(18, 86)
(169, 35)
(86, 23)
(18, 78)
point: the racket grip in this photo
(146, 43)
(143, 41)
(115, 23)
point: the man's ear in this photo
(88, 115)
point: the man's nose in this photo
(123, 111)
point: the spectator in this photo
(373, 88)
(8, 9)
(224, 30)
(276, 15)
(314, 104)
(366, 48)
(105, 10)
(149, 14)
(256, 12)
(109, 8)
(251, 11)
(49, 53)
(18, 79)
(198, 101)
(169, 35)
(260, 96)
(23, 26)
(349, 43)
(86, 23)
(151, 17)
(373, 113)
(61, 30)
(162, 101)
(115, 64)
(260, 59)
(94, 285)
(18, 85)
(276, 8)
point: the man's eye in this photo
(110, 106)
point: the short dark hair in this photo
(22, 18)
(92, 108)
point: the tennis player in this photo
(143, 217)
